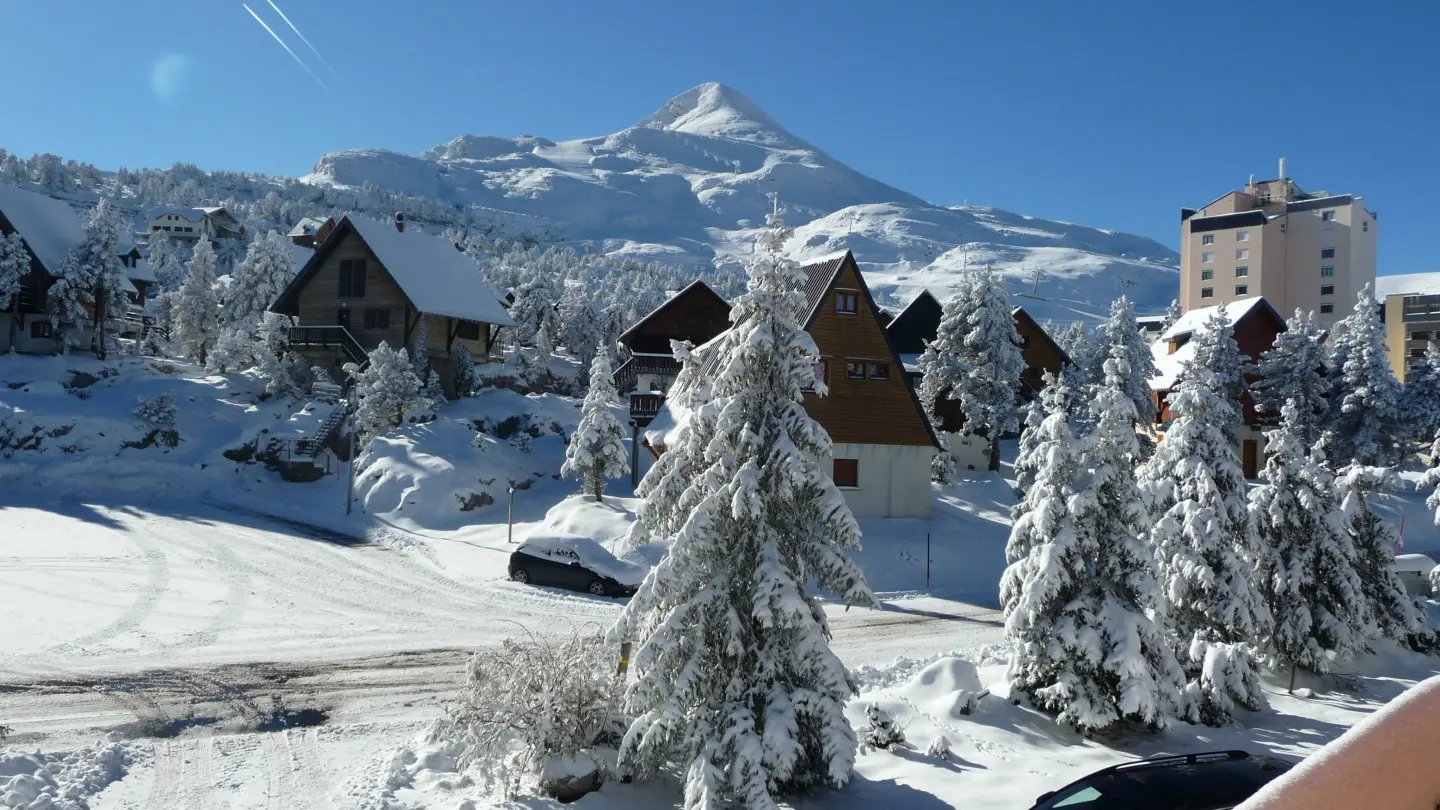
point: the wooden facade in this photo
(696, 313)
(1255, 333)
(870, 399)
(1040, 351)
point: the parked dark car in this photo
(1215, 781)
(576, 563)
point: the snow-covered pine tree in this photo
(534, 309)
(1420, 400)
(164, 257)
(420, 350)
(14, 263)
(1307, 573)
(544, 350)
(434, 393)
(1431, 479)
(388, 391)
(1172, 314)
(1122, 329)
(580, 326)
(1293, 370)
(1206, 548)
(90, 286)
(195, 317)
(940, 371)
(1393, 614)
(1366, 428)
(1079, 581)
(258, 280)
(1029, 460)
(464, 372)
(1217, 353)
(977, 333)
(736, 682)
(597, 450)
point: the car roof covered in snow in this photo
(437, 278)
(591, 554)
(49, 226)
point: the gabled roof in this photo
(1019, 312)
(1169, 364)
(1235, 312)
(50, 227)
(190, 214)
(917, 322)
(819, 278)
(437, 278)
(308, 226)
(696, 287)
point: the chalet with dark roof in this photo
(371, 281)
(697, 314)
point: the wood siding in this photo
(1040, 352)
(696, 314)
(862, 411)
(320, 301)
(1254, 334)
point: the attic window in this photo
(352, 278)
(846, 302)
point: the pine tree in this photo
(580, 327)
(196, 314)
(165, 259)
(1080, 582)
(1431, 480)
(1206, 548)
(258, 281)
(977, 334)
(544, 351)
(465, 378)
(1392, 613)
(420, 350)
(1293, 370)
(1420, 400)
(1172, 315)
(388, 391)
(1028, 461)
(736, 681)
(534, 309)
(1307, 564)
(1122, 329)
(597, 450)
(1217, 357)
(434, 393)
(14, 263)
(90, 285)
(1366, 428)
(940, 371)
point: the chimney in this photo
(1282, 169)
(400, 221)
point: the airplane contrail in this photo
(287, 48)
(312, 48)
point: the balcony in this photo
(645, 405)
(1421, 308)
(329, 337)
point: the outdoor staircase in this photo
(312, 447)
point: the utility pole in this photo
(510, 518)
(350, 472)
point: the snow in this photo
(590, 553)
(190, 214)
(1414, 562)
(1191, 323)
(1194, 320)
(49, 226)
(436, 277)
(1407, 284)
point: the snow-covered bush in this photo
(939, 748)
(882, 731)
(157, 411)
(532, 706)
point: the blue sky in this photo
(1112, 114)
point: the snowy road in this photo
(156, 621)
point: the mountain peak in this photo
(719, 111)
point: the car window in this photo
(1088, 795)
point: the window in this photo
(1242, 236)
(845, 302)
(855, 369)
(1419, 335)
(40, 329)
(1328, 216)
(1207, 256)
(1264, 199)
(1242, 253)
(1206, 275)
(1417, 352)
(1327, 289)
(167, 227)
(1242, 271)
(352, 278)
(377, 319)
(1207, 292)
(1326, 309)
(1365, 225)
(1207, 239)
(467, 330)
(1242, 289)
(1328, 271)
(846, 473)
(154, 227)
(1327, 253)
(879, 371)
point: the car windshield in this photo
(1188, 786)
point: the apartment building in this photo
(1411, 312)
(1300, 250)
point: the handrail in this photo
(332, 335)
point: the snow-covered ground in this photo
(185, 631)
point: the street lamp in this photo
(510, 519)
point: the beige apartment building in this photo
(1312, 251)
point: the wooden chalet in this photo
(697, 314)
(310, 231)
(919, 323)
(1256, 324)
(50, 229)
(370, 282)
(882, 442)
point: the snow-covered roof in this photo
(142, 271)
(1196, 318)
(437, 278)
(1414, 562)
(1169, 365)
(306, 226)
(49, 226)
(1407, 284)
(190, 214)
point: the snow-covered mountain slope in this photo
(692, 181)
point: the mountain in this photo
(691, 182)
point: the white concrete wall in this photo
(894, 480)
(23, 342)
(970, 452)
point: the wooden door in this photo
(1251, 452)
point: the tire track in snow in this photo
(157, 582)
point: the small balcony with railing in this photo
(645, 405)
(1417, 308)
